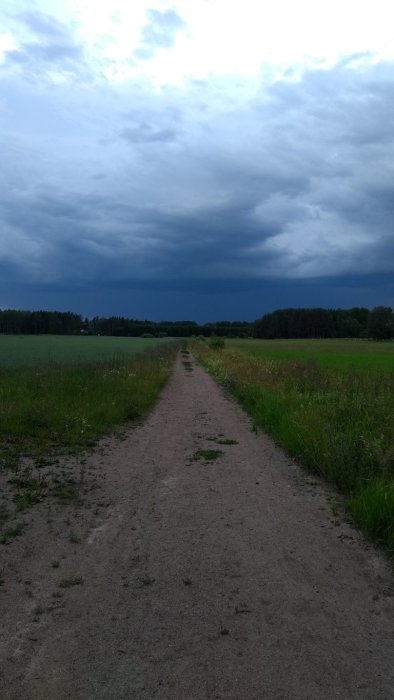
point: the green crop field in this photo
(33, 350)
(336, 354)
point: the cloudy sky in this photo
(199, 159)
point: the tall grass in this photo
(339, 424)
(67, 406)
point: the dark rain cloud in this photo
(279, 196)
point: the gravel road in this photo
(196, 578)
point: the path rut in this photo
(227, 579)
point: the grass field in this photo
(60, 395)
(338, 354)
(32, 350)
(59, 392)
(328, 403)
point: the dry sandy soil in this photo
(183, 578)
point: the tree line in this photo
(358, 322)
(67, 323)
(116, 325)
(40, 322)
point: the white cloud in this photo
(217, 38)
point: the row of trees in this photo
(66, 323)
(37, 322)
(357, 322)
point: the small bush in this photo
(216, 343)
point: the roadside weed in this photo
(10, 533)
(207, 455)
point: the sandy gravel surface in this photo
(187, 579)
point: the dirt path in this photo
(197, 580)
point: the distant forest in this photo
(358, 322)
(67, 323)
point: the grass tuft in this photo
(10, 533)
(207, 455)
(373, 508)
(69, 582)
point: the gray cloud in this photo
(186, 190)
(52, 48)
(146, 133)
(159, 33)
(43, 25)
(55, 54)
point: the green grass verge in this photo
(373, 508)
(338, 424)
(69, 406)
(48, 411)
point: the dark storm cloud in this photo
(287, 195)
(311, 159)
(159, 33)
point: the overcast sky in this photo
(199, 159)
